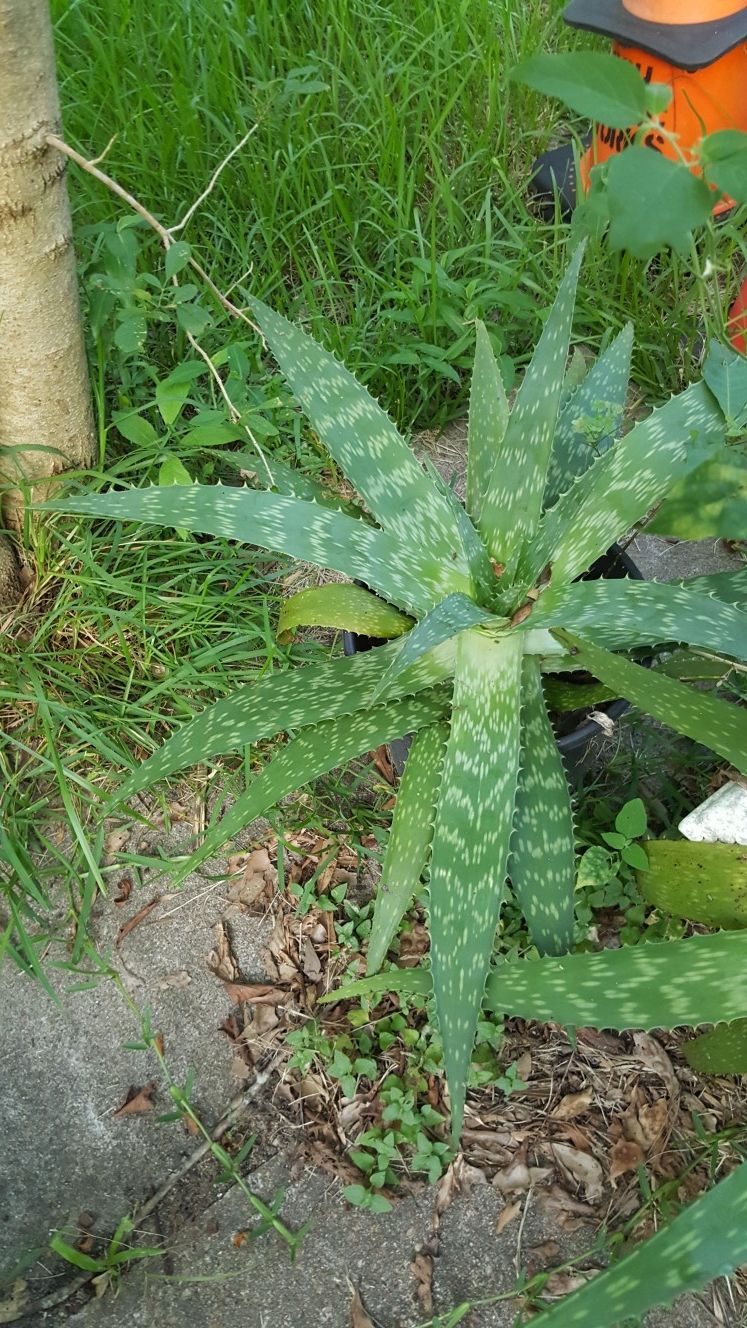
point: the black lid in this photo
(687, 45)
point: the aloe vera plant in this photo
(479, 602)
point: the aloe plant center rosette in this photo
(478, 600)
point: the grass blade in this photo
(705, 719)
(542, 863)
(313, 753)
(513, 502)
(363, 441)
(409, 839)
(589, 419)
(471, 841)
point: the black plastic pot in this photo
(575, 746)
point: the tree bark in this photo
(45, 400)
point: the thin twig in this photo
(162, 231)
(213, 181)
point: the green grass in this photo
(382, 200)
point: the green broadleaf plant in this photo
(486, 798)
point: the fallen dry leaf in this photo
(358, 1316)
(114, 841)
(562, 1283)
(254, 993)
(653, 1120)
(524, 1067)
(137, 1102)
(422, 1270)
(240, 1071)
(563, 1209)
(125, 890)
(136, 919)
(221, 960)
(626, 1155)
(252, 875)
(572, 1105)
(310, 965)
(580, 1167)
(383, 762)
(513, 1177)
(179, 980)
(507, 1215)
(255, 1035)
(653, 1056)
(13, 1306)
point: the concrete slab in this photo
(257, 1286)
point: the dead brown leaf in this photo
(125, 890)
(252, 875)
(626, 1156)
(572, 1105)
(524, 1067)
(179, 980)
(383, 763)
(422, 1270)
(507, 1215)
(256, 1034)
(254, 993)
(114, 842)
(310, 965)
(136, 919)
(580, 1167)
(562, 1283)
(358, 1316)
(513, 1177)
(565, 1211)
(653, 1056)
(653, 1119)
(240, 1071)
(137, 1102)
(221, 960)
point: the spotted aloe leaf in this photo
(624, 613)
(731, 587)
(622, 485)
(475, 552)
(542, 862)
(363, 441)
(723, 1050)
(471, 840)
(695, 714)
(703, 882)
(278, 702)
(513, 501)
(589, 420)
(343, 606)
(694, 981)
(707, 1240)
(453, 615)
(488, 420)
(314, 752)
(273, 474)
(282, 525)
(409, 839)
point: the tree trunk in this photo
(45, 400)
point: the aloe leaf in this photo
(453, 615)
(471, 841)
(688, 666)
(710, 503)
(707, 1240)
(281, 701)
(282, 525)
(721, 1051)
(731, 587)
(717, 724)
(314, 752)
(488, 419)
(402, 981)
(725, 372)
(513, 502)
(561, 696)
(704, 882)
(478, 560)
(699, 980)
(625, 613)
(343, 606)
(542, 863)
(589, 420)
(623, 484)
(409, 838)
(363, 441)
(273, 474)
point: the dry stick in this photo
(225, 1123)
(213, 180)
(162, 231)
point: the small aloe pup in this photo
(477, 601)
